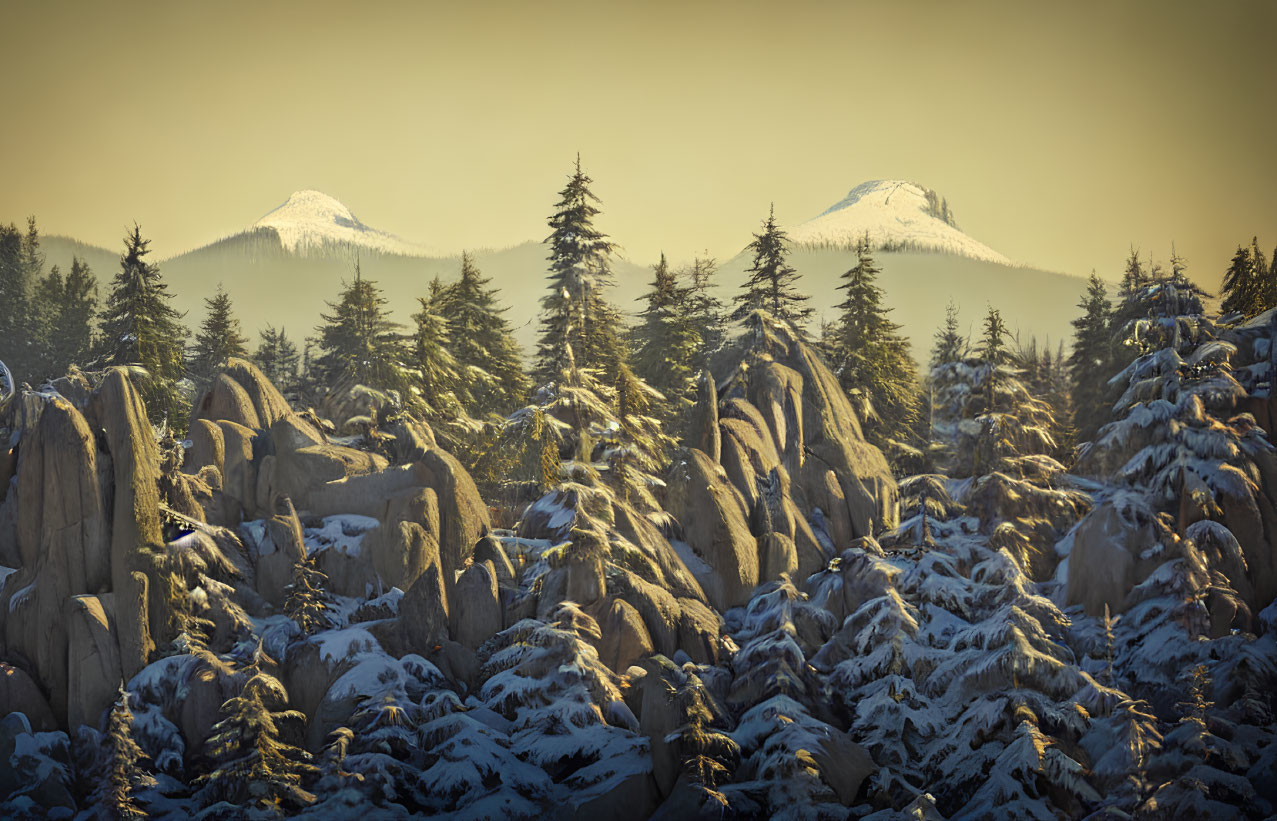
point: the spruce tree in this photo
(21, 269)
(15, 293)
(704, 311)
(140, 327)
(770, 286)
(1091, 360)
(1133, 277)
(575, 308)
(277, 356)
(951, 345)
(218, 338)
(124, 774)
(485, 351)
(871, 357)
(359, 343)
(666, 341)
(71, 326)
(306, 602)
(442, 390)
(252, 767)
(1250, 286)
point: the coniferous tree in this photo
(443, 392)
(485, 352)
(140, 327)
(1091, 359)
(123, 774)
(277, 356)
(951, 345)
(359, 343)
(666, 341)
(21, 269)
(253, 768)
(15, 293)
(1134, 276)
(770, 286)
(307, 602)
(871, 357)
(575, 308)
(704, 311)
(1250, 286)
(70, 323)
(218, 338)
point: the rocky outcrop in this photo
(715, 522)
(792, 452)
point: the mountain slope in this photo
(311, 221)
(897, 215)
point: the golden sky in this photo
(1060, 132)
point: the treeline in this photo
(457, 363)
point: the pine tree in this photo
(1133, 277)
(15, 295)
(704, 311)
(252, 767)
(485, 351)
(139, 327)
(71, 327)
(443, 392)
(871, 357)
(575, 308)
(359, 343)
(307, 602)
(950, 344)
(277, 356)
(1091, 359)
(770, 286)
(637, 448)
(1250, 286)
(124, 774)
(218, 339)
(21, 269)
(666, 342)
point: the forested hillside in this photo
(744, 552)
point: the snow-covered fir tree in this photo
(124, 773)
(307, 600)
(1250, 285)
(253, 769)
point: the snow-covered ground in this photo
(894, 214)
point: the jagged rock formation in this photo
(780, 447)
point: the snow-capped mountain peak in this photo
(898, 215)
(312, 220)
